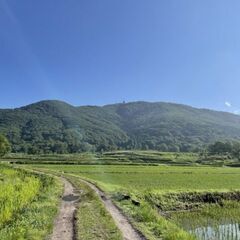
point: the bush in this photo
(4, 146)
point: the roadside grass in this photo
(146, 218)
(93, 220)
(32, 220)
(18, 188)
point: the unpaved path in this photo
(64, 224)
(127, 230)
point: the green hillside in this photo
(55, 126)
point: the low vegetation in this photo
(154, 189)
(150, 158)
(114, 158)
(28, 204)
(93, 220)
(213, 221)
(4, 146)
(150, 194)
(155, 178)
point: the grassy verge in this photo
(93, 220)
(160, 216)
(146, 219)
(34, 219)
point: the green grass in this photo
(18, 188)
(93, 220)
(153, 183)
(117, 157)
(135, 157)
(222, 220)
(158, 189)
(156, 178)
(159, 182)
(28, 204)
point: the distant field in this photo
(158, 178)
(135, 157)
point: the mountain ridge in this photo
(117, 103)
(55, 126)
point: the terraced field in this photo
(136, 157)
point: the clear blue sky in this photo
(105, 51)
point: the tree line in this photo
(230, 148)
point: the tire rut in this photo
(127, 230)
(64, 225)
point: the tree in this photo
(236, 150)
(173, 148)
(163, 147)
(4, 145)
(220, 148)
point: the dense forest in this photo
(55, 126)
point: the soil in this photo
(65, 222)
(64, 225)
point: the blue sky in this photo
(105, 51)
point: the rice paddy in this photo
(212, 222)
(165, 195)
(151, 195)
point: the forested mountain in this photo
(55, 126)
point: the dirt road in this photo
(65, 221)
(127, 230)
(64, 225)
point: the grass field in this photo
(148, 193)
(155, 190)
(28, 204)
(128, 158)
(123, 158)
(157, 178)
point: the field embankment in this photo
(134, 157)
